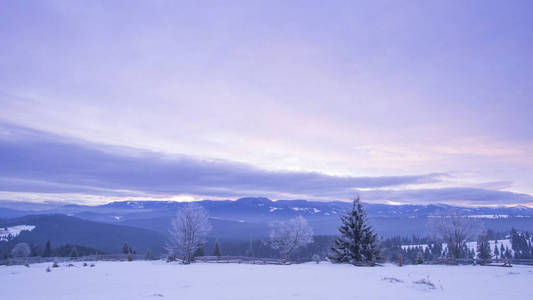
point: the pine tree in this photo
(496, 251)
(216, 250)
(74, 252)
(483, 248)
(358, 242)
(126, 248)
(47, 250)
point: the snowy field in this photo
(159, 280)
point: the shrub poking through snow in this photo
(430, 285)
(55, 265)
(419, 258)
(48, 270)
(392, 279)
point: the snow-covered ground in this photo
(14, 231)
(160, 280)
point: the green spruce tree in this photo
(483, 249)
(47, 249)
(216, 250)
(126, 248)
(358, 242)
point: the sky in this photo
(411, 102)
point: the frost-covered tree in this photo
(454, 230)
(358, 242)
(187, 229)
(74, 252)
(148, 255)
(287, 236)
(21, 250)
(496, 251)
(216, 250)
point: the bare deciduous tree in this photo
(187, 229)
(287, 236)
(454, 230)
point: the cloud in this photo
(36, 164)
(34, 161)
(456, 195)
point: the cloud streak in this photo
(456, 196)
(34, 161)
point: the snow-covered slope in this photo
(129, 280)
(13, 231)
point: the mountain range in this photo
(146, 223)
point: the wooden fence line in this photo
(125, 257)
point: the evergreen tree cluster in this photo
(521, 244)
(127, 249)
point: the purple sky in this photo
(401, 101)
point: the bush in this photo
(316, 258)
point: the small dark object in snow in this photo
(85, 264)
(55, 265)
(426, 282)
(48, 270)
(392, 279)
(158, 295)
(70, 265)
(27, 265)
(92, 265)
